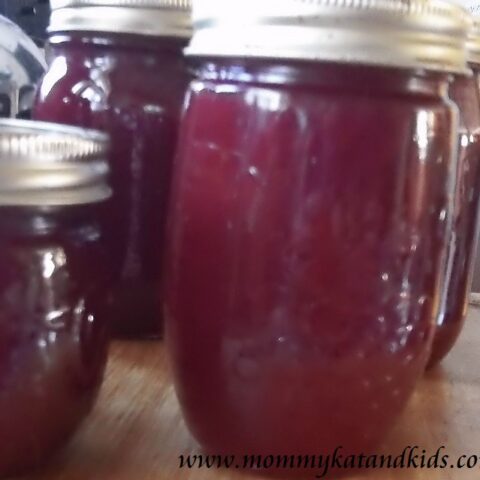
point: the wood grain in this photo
(136, 431)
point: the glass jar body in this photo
(53, 329)
(133, 88)
(306, 242)
(465, 92)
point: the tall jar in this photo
(55, 271)
(465, 92)
(309, 218)
(118, 66)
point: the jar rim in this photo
(48, 164)
(427, 34)
(170, 18)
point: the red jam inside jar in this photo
(306, 244)
(53, 330)
(465, 92)
(131, 86)
(309, 220)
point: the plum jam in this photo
(55, 273)
(465, 92)
(308, 224)
(130, 84)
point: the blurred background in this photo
(31, 15)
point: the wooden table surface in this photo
(136, 431)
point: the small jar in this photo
(465, 92)
(54, 274)
(118, 66)
(308, 218)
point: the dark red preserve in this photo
(308, 220)
(54, 274)
(465, 91)
(120, 68)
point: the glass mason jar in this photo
(54, 274)
(465, 92)
(308, 218)
(120, 68)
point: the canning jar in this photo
(54, 273)
(465, 92)
(308, 218)
(119, 67)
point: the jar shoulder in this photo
(93, 85)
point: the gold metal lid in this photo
(427, 34)
(473, 42)
(164, 18)
(46, 164)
